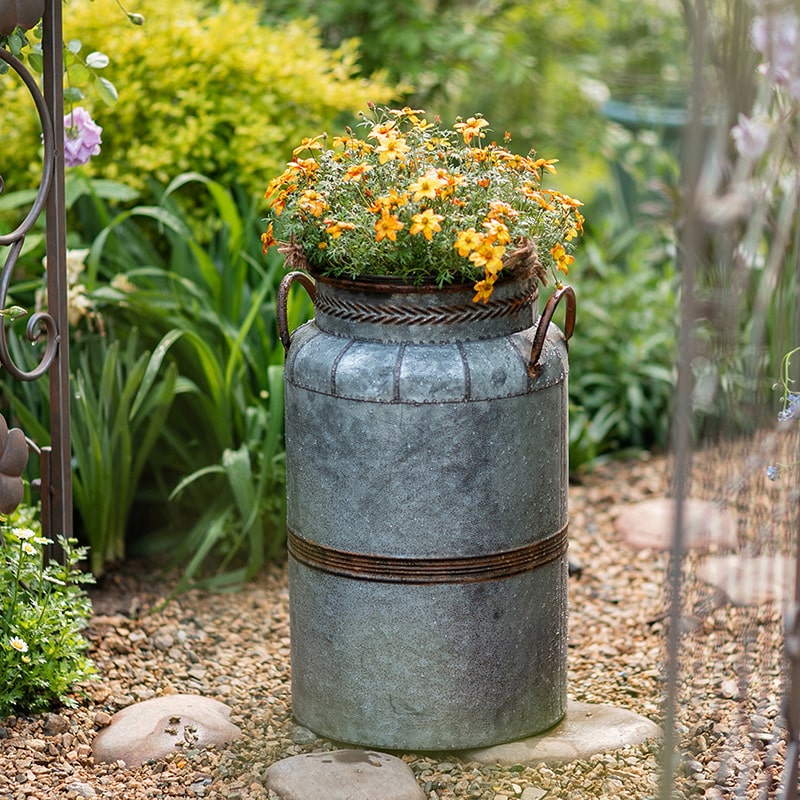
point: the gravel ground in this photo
(235, 647)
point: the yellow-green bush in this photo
(211, 90)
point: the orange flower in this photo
(356, 172)
(336, 229)
(483, 290)
(313, 202)
(268, 239)
(387, 226)
(471, 129)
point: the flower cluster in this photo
(775, 35)
(419, 203)
(790, 410)
(43, 611)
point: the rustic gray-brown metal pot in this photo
(426, 456)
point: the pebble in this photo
(55, 724)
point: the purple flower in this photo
(791, 409)
(81, 137)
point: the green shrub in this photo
(210, 90)
(43, 610)
(623, 352)
(221, 447)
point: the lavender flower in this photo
(751, 136)
(777, 40)
(81, 137)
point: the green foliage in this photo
(203, 89)
(221, 447)
(541, 70)
(43, 610)
(622, 354)
(120, 398)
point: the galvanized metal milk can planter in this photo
(426, 447)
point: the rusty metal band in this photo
(465, 569)
(334, 305)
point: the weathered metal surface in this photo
(427, 511)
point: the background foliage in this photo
(212, 99)
(204, 88)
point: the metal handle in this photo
(544, 324)
(283, 297)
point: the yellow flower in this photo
(426, 223)
(497, 231)
(391, 147)
(562, 258)
(467, 241)
(472, 128)
(387, 226)
(483, 290)
(386, 203)
(488, 256)
(427, 186)
(544, 163)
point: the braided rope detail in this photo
(395, 314)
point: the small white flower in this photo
(23, 533)
(18, 644)
(28, 548)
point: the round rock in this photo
(343, 775)
(587, 729)
(155, 728)
(650, 524)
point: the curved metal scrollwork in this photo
(39, 323)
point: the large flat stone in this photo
(650, 524)
(750, 580)
(155, 728)
(587, 729)
(343, 775)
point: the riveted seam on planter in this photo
(336, 362)
(463, 569)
